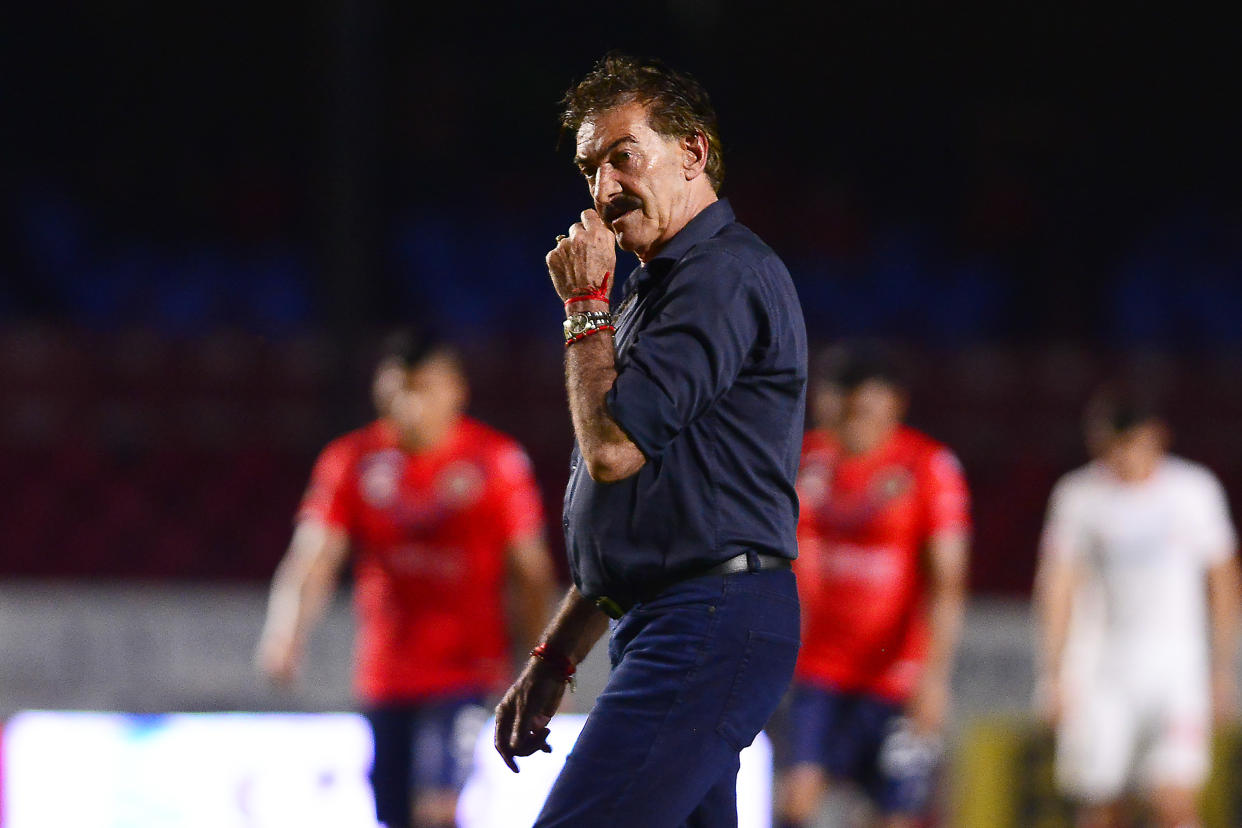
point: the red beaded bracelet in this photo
(588, 332)
(600, 294)
(557, 660)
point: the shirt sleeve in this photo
(519, 506)
(329, 497)
(1211, 527)
(689, 354)
(946, 496)
(1064, 535)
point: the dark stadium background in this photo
(210, 212)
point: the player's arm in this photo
(947, 563)
(1063, 546)
(523, 714)
(1223, 583)
(1055, 584)
(531, 583)
(303, 585)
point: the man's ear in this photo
(694, 154)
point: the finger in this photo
(501, 731)
(504, 713)
(517, 728)
(529, 731)
(592, 217)
(555, 259)
(533, 741)
(510, 762)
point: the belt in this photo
(745, 562)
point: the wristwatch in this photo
(577, 324)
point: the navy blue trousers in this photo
(696, 673)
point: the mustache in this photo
(620, 206)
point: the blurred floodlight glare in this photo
(224, 770)
(269, 770)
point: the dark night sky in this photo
(1089, 124)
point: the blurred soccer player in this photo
(882, 552)
(441, 515)
(1137, 554)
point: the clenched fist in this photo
(580, 260)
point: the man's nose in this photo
(605, 185)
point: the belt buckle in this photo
(609, 607)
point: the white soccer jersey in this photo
(1144, 549)
(1136, 658)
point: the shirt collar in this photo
(710, 220)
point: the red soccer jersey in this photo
(865, 522)
(428, 533)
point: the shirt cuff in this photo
(643, 411)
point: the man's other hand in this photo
(523, 714)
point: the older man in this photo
(681, 512)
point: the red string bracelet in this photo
(600, 294)
(566, 667)
(588, 332)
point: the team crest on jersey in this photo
(814, 485)
(460, 484)
(815, 480)
(892, 483)
(379, 478)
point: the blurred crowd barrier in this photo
(148, 647)
(152, 648)
(134, 454)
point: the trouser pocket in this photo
(762, 676)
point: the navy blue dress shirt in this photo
(711, 387)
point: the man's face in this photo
(1134, 452)
(869, 413)
(637, 177)
(430, 397)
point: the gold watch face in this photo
(578, 325)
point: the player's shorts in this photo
(421, 746)
(867, 740)
(1114, 739)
